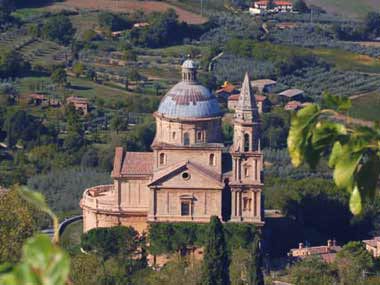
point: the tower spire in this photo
(246, 109)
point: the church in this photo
(189, 175)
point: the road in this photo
(62, 225)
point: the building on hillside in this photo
(373, 246)
(226, 90)
(292, 95)
(189, 176)
(37, 99)
(263, 103)
(263, 85)
(326, 252)
(263, 7)
(79, 103)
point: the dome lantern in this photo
(189, 71)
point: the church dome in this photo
(188, 98)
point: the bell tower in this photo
(247, 159)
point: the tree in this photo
(354, 149)
(18, 223)
(312, 271)
(372, 24)
(301, 6)
(59, 76)
(352, 262)
(85, 269)
(78, 69)
(216, 262)
(13, 64)
(255, 273)
(119, 123)
(130, 55)
(59, 28)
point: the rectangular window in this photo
(185, 208)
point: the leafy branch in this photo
(353, 150)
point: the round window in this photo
(186, 175)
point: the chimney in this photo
(329, 243)
(300, 245)
(334, 242)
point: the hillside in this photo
(350, 8)
(128, 6)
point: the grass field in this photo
(349, 61)
(347, 8)
(70, 238)
(367, 107)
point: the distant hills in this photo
(349, 8)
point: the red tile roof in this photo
(137, 163)
(234, 97)
(259, 98)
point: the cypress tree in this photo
(215, 262)
(255, 274)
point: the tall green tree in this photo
(59, 76)
(255, 273)
(18, 222)
(59, 28)
(352, 262)
(216, 261)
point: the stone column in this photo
(233, 202)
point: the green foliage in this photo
(116, 241)
(164, 30)
(18, 222)
(351, 261)
(13, 64)
(175, 272)
(59, 76)
(255, 273)
(215, 261)
(78, 69)
(354, 150)
(300, 6)
(42, 264)
(174, 237)
(312, 271)
(275, 128)
(113, 22)
(59, 28)
(85, 269)
(63, 188)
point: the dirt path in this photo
(128, 6)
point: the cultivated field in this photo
(350, 8)
(128, 6)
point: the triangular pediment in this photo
(187, 175)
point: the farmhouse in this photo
(226, 90)
(188, 176)
(373, 246)
(263, 6)
(292, 95)
(264, 85)
(326, 252)
(79, 103)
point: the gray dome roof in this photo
(189, 100)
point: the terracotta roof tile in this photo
(137, 163)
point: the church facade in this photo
(189, 175)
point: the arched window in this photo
(199, 136)
(173, 135)
(162, 158)
(246, 142)
(211, 160)
(186, 139)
